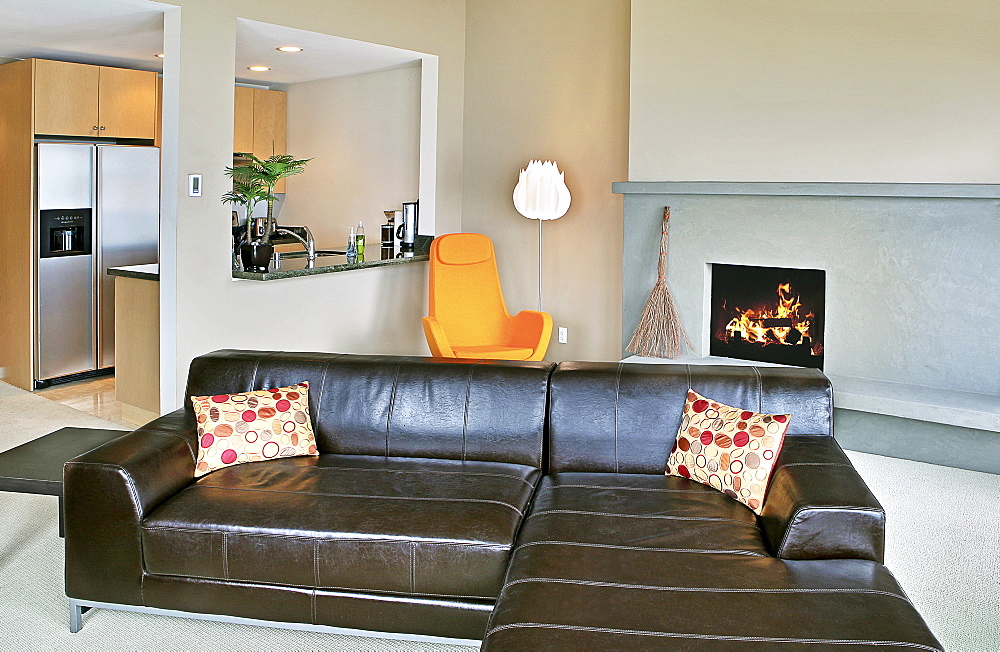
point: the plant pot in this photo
(256, 257)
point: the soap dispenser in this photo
(352, 247)
(359, 237)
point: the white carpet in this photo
(942, 545)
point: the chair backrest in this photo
(489, 411)
(465, 295)
(623, 417)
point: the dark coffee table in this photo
(37, 467)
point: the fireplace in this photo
(768, 314)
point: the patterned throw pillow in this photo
(728, 448)
(252, 427)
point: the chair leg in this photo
(76, 611)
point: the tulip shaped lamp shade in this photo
(541, 194)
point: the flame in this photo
(752, 325)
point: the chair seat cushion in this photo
(398, 525)
(641, 562)
(493, 352)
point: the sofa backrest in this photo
(623, 417)
(398, 406)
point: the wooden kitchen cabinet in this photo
(260, 121)
(243, 120)
(75, 99)
(127, 103)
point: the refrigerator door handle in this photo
(98, 257)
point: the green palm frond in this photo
(267, 171)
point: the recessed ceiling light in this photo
(161, 56)
(258, 68)
(289, 48)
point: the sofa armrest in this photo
(108, 492)
(818, 507)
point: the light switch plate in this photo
(194, 185)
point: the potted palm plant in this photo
(255, 181)
(253, 254)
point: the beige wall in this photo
(202, 308)
(827, 90)
(549, 80)
(363, 134)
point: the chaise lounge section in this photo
(516, 503)
(615, 555)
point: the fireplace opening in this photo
(768, 314)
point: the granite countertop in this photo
(326, 268)
(329, 264)
(150, 272)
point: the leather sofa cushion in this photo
(648, 512)
(399, 525)
(379, 404)
(670, 564)
(623, 417)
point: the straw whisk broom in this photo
(660, 333)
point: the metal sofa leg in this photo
(76, 611)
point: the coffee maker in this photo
(406, 233)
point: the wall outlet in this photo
(563, 335)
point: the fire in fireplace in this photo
(768, 314)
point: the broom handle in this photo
(661, 264)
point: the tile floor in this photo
(94, 396)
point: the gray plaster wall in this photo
(913, 283)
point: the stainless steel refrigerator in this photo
(98, 207)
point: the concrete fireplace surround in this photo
(913, 295)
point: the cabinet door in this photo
(243, 120)
(269, 109)
(66, 98)
(127, 103)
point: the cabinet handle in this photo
(102, 127)
(95, 127)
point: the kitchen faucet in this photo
(308, 242)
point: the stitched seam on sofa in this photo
(465, 413)
(413, 556)
(712, 637)
(315, 563)
(749, 553)
(312, 600)
(392, 405)
(700, 492)
(618, 386)
(760, 389)
(796, 519)
(301, 537)
(483, 475)
(194, 453)
(697, 589)
(225, 555)
(317, 493)
(322, 392)
(662, 516)
(817, 464)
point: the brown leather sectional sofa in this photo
(522, 504)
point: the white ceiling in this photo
(323, 56)
(125, 33)
(129, 33)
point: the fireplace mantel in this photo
(931, 404)
(810, 189)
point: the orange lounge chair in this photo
(468, 317)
